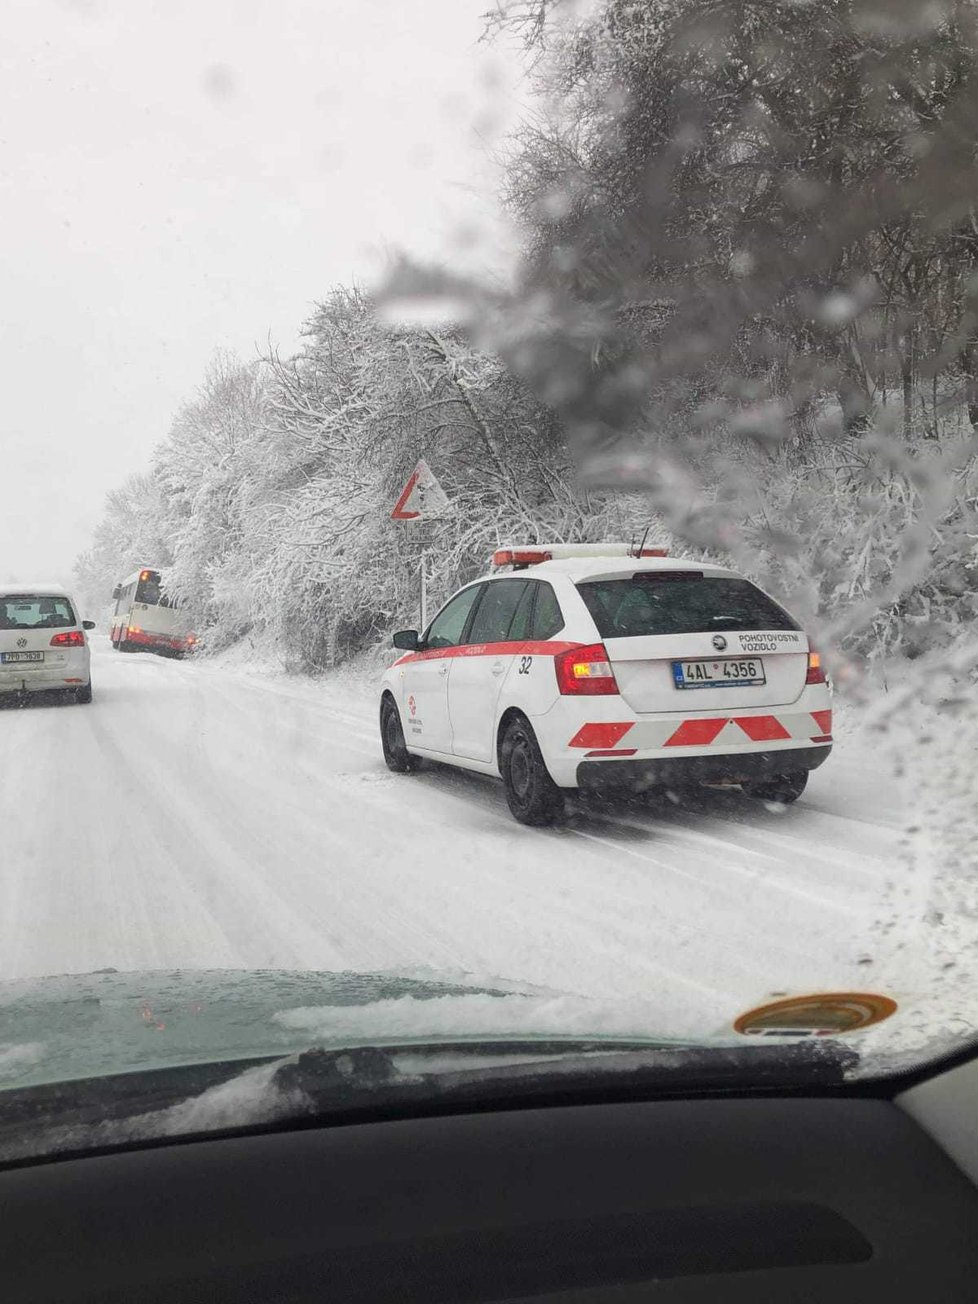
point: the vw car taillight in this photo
(815, 675)
(70, 638)
(585, 671)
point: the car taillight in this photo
(585, 671)
(816, 675)
(70, 638)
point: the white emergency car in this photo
(42, 643)
(591, 667)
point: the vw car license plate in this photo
(6, 657)
(718, 674)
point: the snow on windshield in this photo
(727, 310)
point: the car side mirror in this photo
(407, 640)
(88, 624)
(115, 592)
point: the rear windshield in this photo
(679, 603)
(32, 611)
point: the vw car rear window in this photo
(34, 611)
(671, 603)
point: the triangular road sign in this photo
(422, 496)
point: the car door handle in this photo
(498, 668)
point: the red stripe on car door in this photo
(538, 648)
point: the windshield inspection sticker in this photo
(824, 1014)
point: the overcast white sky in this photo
(191, 174)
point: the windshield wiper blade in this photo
(462, 1071)
(323, 1085)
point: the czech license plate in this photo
(718, 674)
(7, 657)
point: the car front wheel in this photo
(396, 754)
(532, 795)
(782, 788)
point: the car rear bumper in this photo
(71, 671)
(577, 738)
(41, 684)
(681, 771)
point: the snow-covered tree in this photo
(131, 533)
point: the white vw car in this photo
(588, 667)
(42, 643)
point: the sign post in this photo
(422, 499)
(423, 586)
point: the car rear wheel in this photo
(532, 795)
(83, 695)
(782, 788)
(396, 754)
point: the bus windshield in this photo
(148, 590)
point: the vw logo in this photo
(719, 642)
(22, 642)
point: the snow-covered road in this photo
(202, 817)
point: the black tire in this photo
(83, 695)
(532, 795)
(396, 754)
(782, 788)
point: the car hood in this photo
(108, 1059)
(85, 1025)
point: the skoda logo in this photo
(22, 642)
(719, 642)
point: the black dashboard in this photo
(752, 1199)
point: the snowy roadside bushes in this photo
(269, 502)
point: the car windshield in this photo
(679, 603)
(33, 611)
(619, 358)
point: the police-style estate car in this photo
(579, 666)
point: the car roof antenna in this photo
(638, 550)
